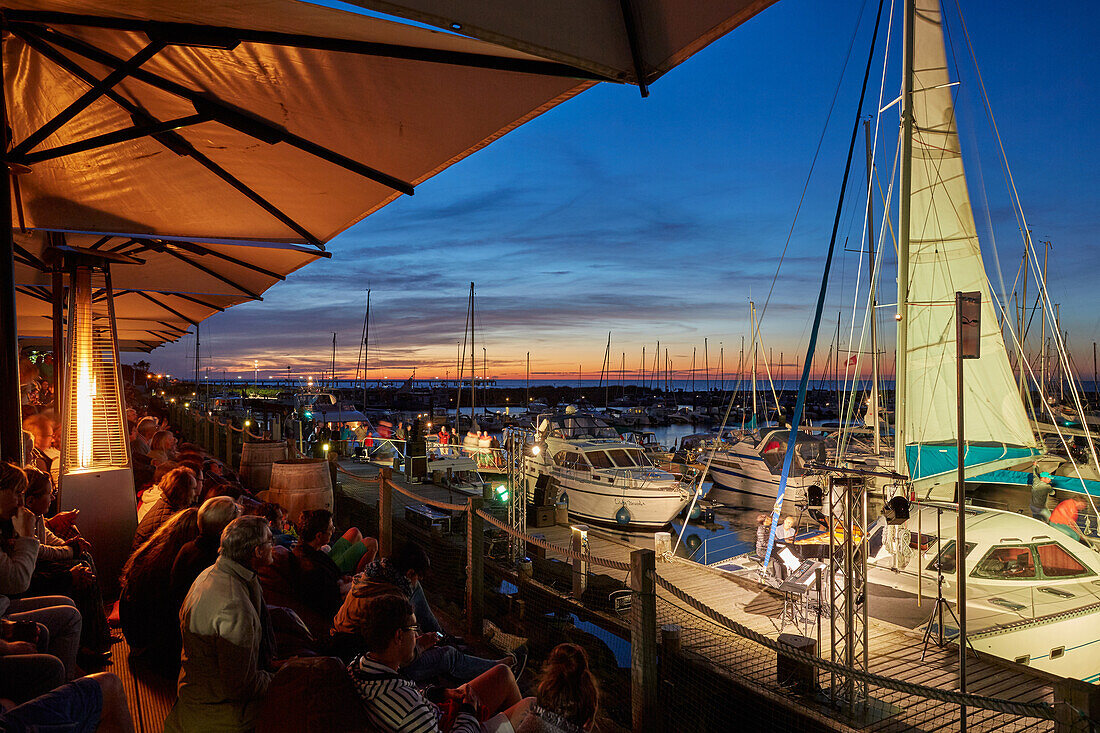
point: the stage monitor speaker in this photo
(794, 674)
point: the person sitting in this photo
(24, 672)
(787, 531)
(59, 621)
(352, 549)
(180, 490)
(567, 695)
(762, 531)
(93, 703)
(223, 678)
(202, 552)
(154, 493)
(146, 609)
(394, 703)
(143, 435)
(44, 455)
(65, 568)
(401, 574)
(321, 585)
(162, 447)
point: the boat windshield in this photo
(1013, 562)
(576, 427)
(627, 458)
(599, 459)
(945, 559)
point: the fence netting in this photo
(717, 675)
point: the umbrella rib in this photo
(166, 307)
(245, 123)
(181, 33)
(31, 259)
(170, 327)
(173, 142)
(196, 301)
(86, 99)
(111, 138)
(33, 293)
(212, 273)
(200, 250)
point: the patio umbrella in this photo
(633, 41)
(212, 121)
(174, 283)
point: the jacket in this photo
(50, 546)
(17, 558)
(221, 684)
(377, 579)
(161, 512)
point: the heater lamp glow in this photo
(85, 375)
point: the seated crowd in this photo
(220, 593)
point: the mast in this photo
(484, 376)
(643, 366)
(1043, 343)
(900, 464)
(692, 377)
(196, 360)
(752, 330)
(706, 361)
(473, 361)
(527, 379)
(332, 372)
(871, 274)
(366, 341)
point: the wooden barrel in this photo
(256, 460)
(300, 484)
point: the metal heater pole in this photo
(967, 323)
(11, 429)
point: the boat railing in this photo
(720, 548)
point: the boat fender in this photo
(693, 542)
(623, 515)
(695, 512)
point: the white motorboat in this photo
(747, 473)
(603, 479)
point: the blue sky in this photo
(659, 218)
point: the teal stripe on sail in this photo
(933, 460)
(1023, 478)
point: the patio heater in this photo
(96, 475)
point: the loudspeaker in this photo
(794, 674)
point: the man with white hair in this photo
(215, 514)
(222, 680)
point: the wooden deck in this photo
(895, 651)
(150, 695)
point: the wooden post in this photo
(1074, 699)
(643, 640)
(229, 446)
(385, 513)
(276, 428)
(475, 567)
(580, 567)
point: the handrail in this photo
(582, 556)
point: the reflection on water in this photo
(619, 647)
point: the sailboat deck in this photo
(895, 651)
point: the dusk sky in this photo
(659, 218)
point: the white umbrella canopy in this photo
(267, 120)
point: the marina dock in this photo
(907, 693)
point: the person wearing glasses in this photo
(491, 702)
(223, 675)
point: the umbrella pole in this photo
(11, 431)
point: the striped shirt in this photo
(394, 703)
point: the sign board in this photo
(968, 311)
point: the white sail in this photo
(944, 257)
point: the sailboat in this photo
(1027, 579)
